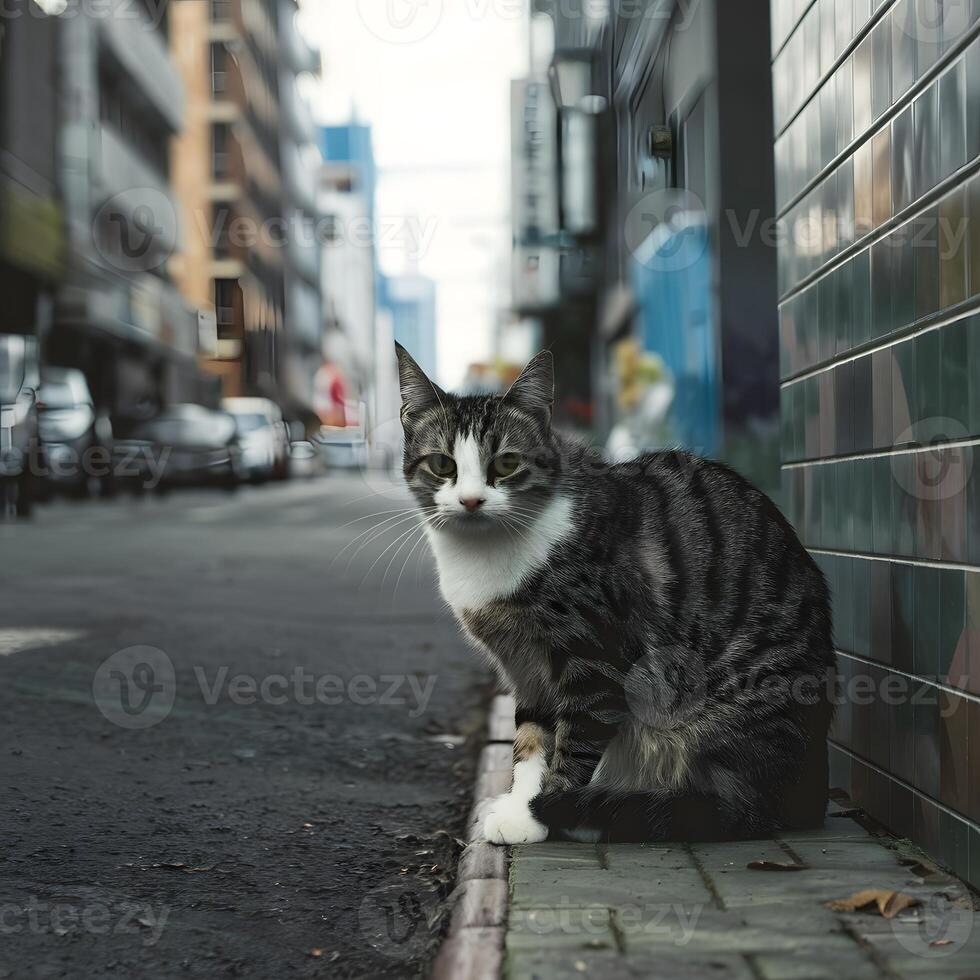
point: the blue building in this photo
(350, 277)
(411, 301)
(351, 145)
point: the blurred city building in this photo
(301, 160)
(244, 170)
(878, 201)
(32, 248)
(351, 280)
(117, 315)
(642, 167)
(410, 299)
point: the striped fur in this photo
(666, 636)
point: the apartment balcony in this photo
(142, 52)
(298, 54)
(303, 319)
(300, 169)
(295, 110)
(141, 309)
(136, 199)
(303, 250)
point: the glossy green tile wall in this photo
(877, 110)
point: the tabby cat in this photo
(665, 635)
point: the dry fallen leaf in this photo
(889, 902)
(316, 953)
(775, 866)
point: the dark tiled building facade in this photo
(877, 110)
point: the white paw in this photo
(510, 821)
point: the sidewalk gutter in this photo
(474, 948)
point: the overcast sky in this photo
(432, 77)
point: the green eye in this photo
(506, 464)
(441, 465)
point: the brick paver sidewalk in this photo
(699, 911)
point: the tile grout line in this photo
(965, 311)
(912, 789)
(944, 63)
(958, 692)
(773, 55)
(706, 879)
(892, 451)
(919, 562)
(850, 49)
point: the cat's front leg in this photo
(510, 820)
(581, 736)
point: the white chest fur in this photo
(475, 570)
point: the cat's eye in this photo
(441, 465)
(506, 464)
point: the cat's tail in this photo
(600, 813)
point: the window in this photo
(226, 298)
(221, 11)
(220, 140)
(219, 68)
(141, 132)
(221, 220)
(330, 228)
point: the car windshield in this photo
(190, 428)
(11, 368)
(57, 394)
(248, 422)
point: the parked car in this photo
(76, 442)
(263, 436)
(184, 444)
(343, 447)
(305, 459)
(18, 422)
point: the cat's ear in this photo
(418, 392)
(534, 390)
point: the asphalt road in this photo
(224, 750)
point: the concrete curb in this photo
(475, 947)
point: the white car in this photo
(343, 447)
(261, 436)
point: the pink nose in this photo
(472, 503)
